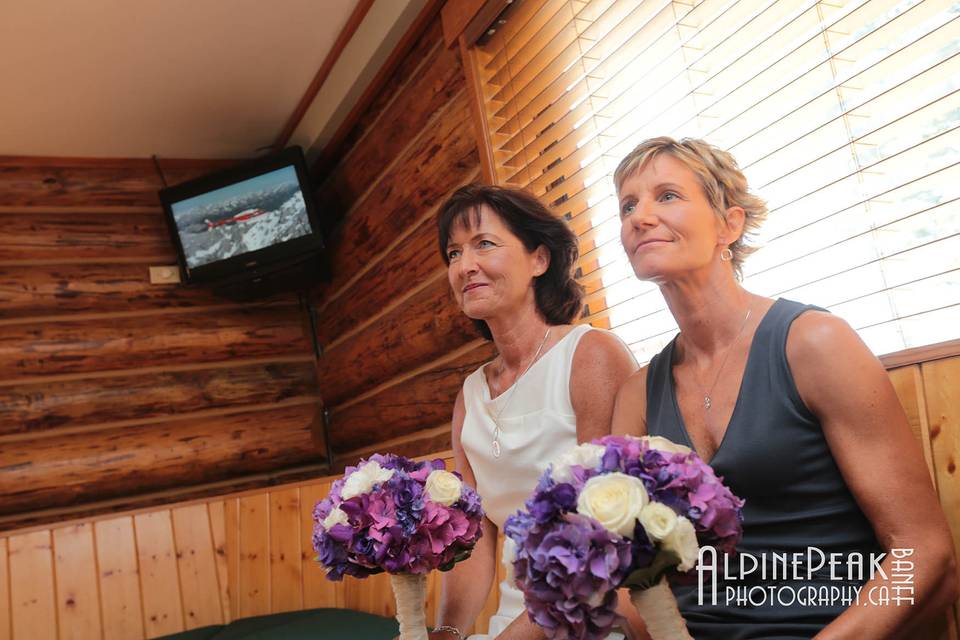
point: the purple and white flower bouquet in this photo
(618, 512)
(390, 513)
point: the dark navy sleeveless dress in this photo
(774, 455)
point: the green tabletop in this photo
(312, 624)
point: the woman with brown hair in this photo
(552, 384)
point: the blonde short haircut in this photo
(719, 175)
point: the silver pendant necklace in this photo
(516, 383)
(707, 400)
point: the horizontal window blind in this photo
(844, 115)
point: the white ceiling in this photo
(172, 78)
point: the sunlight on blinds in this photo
(843, 115)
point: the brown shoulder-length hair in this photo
(558, 296)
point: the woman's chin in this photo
(647, 273)
(476, 311)
(657, 271)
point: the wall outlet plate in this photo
(164, 275)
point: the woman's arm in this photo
(601, 365)
(847, 388)
(630, 410)
(465, 588)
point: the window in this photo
(845, 117)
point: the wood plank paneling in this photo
(444, 157)
(433, 598)
(75, 565)
(231, 513)
(64, 237)
(218, 529)
(42, 406)
(254, 555)
(159, 584)
(6, 630)
(196, 566)
(32, 597)
(417, 403)
(941, 381)
(54, 471)
(128, 343)
(908, 384)
(286, 589)
(119, 579)
(317, 590)
(372, 595)
(428, 326)
(61, 289)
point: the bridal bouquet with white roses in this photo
(390, 513)
(617, 512)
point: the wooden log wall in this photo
(149, 573)
(395, 346)
(116, 392)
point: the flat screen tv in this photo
(243, 222)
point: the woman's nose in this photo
(642, 217)
(467, 262)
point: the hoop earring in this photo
(726, 255)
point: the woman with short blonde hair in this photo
(785, 401)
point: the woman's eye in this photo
(627, 208)
(486, 244)
(668, 196)
(453, 254)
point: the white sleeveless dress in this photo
(537, 424)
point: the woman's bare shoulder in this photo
(629, 415)
(603, 348)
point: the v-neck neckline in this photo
(736, 407)
(483, 371)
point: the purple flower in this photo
(518, 525)
(552, 501)
(469, 501)
(568, 573)
(391, 527)
(568, 566)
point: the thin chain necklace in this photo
(516, 383)
(707, 400)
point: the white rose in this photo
(585, 455)
(335, 517)
(443, 487)
(363, 480)
(658, 520)
(683, 542)
(614, 500)
(663, 444)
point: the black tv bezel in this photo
(253, 264)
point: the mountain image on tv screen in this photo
(243, 217)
